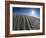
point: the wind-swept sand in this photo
(23, 22)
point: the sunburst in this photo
(33, 13)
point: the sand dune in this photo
(24, 22)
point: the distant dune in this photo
(24, 22)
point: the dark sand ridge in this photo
(24, 22)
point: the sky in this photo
(27, 11)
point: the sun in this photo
(33, 13)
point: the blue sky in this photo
(28, 11)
